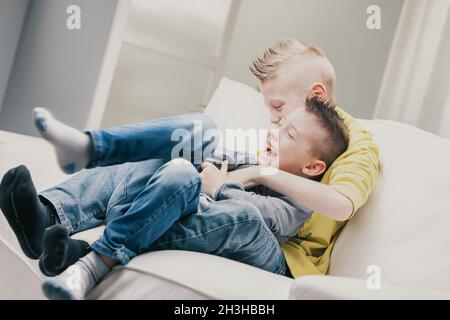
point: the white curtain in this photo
(416, 83)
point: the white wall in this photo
(338, 27)
(55, 67)
(12, 15)
(171, 55)
(149, 85)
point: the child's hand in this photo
(213, 178)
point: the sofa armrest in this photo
(331, 287)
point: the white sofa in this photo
(403, 230)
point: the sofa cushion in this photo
(190, 275)
(235, 105)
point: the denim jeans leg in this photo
(170, 194)
(187, 136)
(232, 229)
(83, 201)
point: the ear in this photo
(319, 91)
(314, 169)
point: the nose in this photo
(275, 118)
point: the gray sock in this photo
(75, 282)
(72, 147)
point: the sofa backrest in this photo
(404, 228)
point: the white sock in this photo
(72, 147)
(75, 282)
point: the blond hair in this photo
(267, 66)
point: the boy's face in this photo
(295, 80)
(291, 149)
(281, 96)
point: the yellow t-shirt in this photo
(353, 174)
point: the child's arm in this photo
(314, 195)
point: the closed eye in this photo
(276, 104)
(290, 133)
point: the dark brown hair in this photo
(337, 139)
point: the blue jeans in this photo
(151, 204)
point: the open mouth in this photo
(270, 152)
